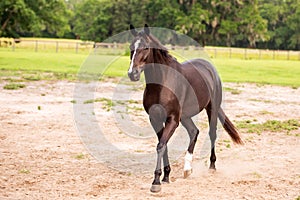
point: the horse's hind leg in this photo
(193, 134)
(167, 168)
(212, 114)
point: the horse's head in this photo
(139, 52)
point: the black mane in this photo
(160, 53)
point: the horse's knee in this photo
(161, 147)
(157, 112)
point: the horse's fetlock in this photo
(158, 172)
(167, 169)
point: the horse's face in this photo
(139, 52)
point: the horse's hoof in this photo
(187, 173)
(155, 188)
(212, 166)
(212, 169)
(165, 180)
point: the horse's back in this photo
(203, 68)
(205, 81)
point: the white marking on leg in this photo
(188, 158)
(136, 46)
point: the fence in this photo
(78, 46)
(217, 52)
(47, 45)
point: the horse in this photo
(174, 93)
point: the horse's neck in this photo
(159, 73)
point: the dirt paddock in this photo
(43, 157)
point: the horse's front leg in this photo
(170, 125)
(158, 127)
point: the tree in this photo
(249, 23)
(293, 23)
(16, 17)
(91, 20)
(194, 23)
(33, 17)
(229, 29)
(252, 27)
(283, 23)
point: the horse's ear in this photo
(132, 30)
(146, 29)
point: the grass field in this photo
(66, 65)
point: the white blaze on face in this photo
(188, 161)
(136, 46)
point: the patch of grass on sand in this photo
(24, 171)
(269, 125)
(232, 90)
(80, 156)
(107, 104)
(13, 86)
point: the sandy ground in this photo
(46, 152)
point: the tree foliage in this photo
(244, 23)
(33, 18)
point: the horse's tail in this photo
(229, 127)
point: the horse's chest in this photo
(161, 96)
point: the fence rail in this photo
(78, 46)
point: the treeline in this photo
(271, 24)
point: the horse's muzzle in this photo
(134, 75)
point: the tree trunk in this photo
(6, 21)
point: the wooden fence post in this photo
(13, 46)
(36, 46)
(76, 47)
(56, 46)
(215, 53)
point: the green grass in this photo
(24, 171)
(232, 90)
(13, 86)
(109, 104)
(41, 62)
(278, 72)
(269, 125)
(80, 156)
(33, 66)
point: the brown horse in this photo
(175, 92)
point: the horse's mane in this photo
(160, 53)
